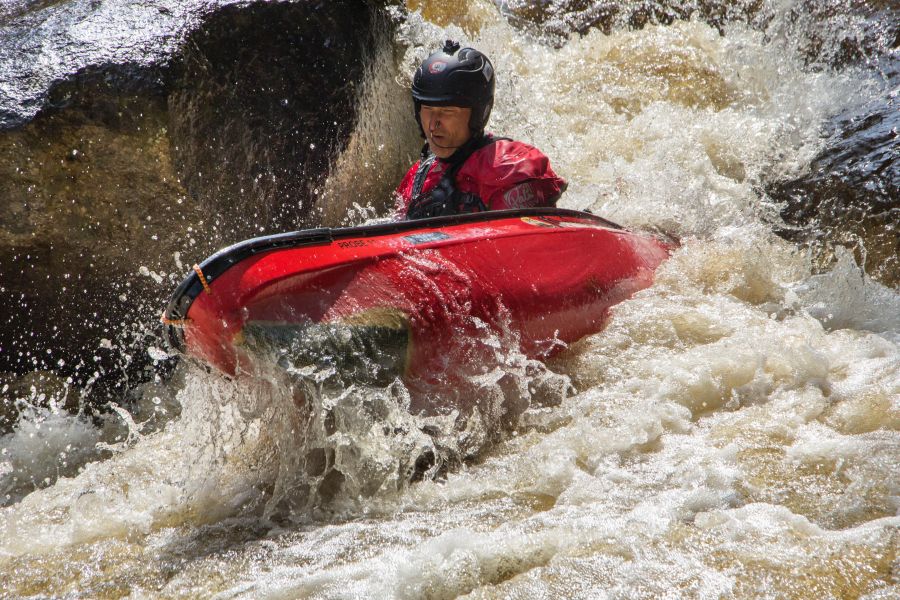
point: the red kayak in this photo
(414, 298)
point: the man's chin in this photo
(440, 152)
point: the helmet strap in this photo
(477, 123)
(416, 108)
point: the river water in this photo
(733, 433)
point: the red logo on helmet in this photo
(437, 66)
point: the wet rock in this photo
(266, 102)
(45, 43)
(123, 162)
(851, 194)
(838, 33)
(384, 143)
(94, 208)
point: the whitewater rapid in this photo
(733, 432)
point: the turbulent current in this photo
(734, 432)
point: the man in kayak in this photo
(463, 169)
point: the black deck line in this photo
(214, 266)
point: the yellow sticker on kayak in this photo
(537, 222)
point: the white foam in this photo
(204, 466)
(845, 297)
(45, 444)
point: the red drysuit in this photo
(501, 174)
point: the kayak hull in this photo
(453, 288)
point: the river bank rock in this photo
(850, 195)
(204, 124)
(92, 199)
(266, 101)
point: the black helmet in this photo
(456, 77)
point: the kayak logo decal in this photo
(520, 196)
(580, 224)
(424, 238)
(353, 244)
(539, 222)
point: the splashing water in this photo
(734, 431)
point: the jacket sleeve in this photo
(516, 175)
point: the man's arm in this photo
(537, 192)
(516, 175)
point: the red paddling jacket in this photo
(486, 174)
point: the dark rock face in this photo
(46, 42)
(91, 200)
(851, 194)
(838, 33)
(266, 101)
(176, 129)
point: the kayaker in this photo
(463, 169)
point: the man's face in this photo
(446, 128)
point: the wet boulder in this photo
(266, 100)
(93, 207)
(141, 151)
(850, 195)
